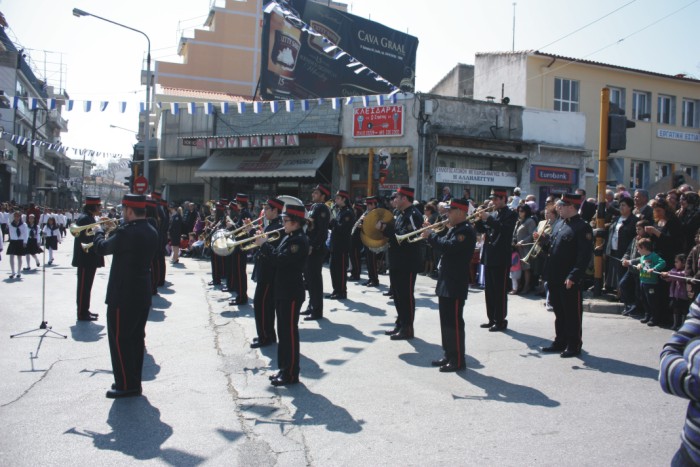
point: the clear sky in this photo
(101, 62)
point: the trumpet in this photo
(413, 237)
(75, 230)
(272, 236)
(474, 217)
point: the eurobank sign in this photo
(556, 175)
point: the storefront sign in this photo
(378, 121)
(678, 135)
(558, 175)
(232, 142)
(475, 177)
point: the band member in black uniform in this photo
(87, 262)
(356, 243)
(264, 298)
(217, 262)
(371, 257)
(340, 226)
(232, 217)
(569, 251)
(404, 262)
(132, 246)
(240, 257)
(289, 259)
(497, 251)
(317, 232)
(154, 220)
(457, 248)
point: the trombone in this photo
(272, 236)
(474, 217)
(75, 230)
(413, 237)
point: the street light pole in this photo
(147, 127)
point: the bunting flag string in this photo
(58, 147)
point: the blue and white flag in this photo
(257, 107)
(349, 100)
(103, 105)
(224, 107)
(122, 107)
(241, 107)
(335, 103)
(174, 108)
(87, 106)
(305, 105)
(289, 105)
(380, 99)
(51, 104)
(365, 101)
(274, 106)
(31, 103)
(69, 104)
(208, 108)
(191, 108)
(15, 102)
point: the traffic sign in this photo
(140, 185)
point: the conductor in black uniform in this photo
(404, 262)
(341, 227)
(570, 248)
(457, 248)
(132, 246)
(87, 262)
(497, 250)
(264, 298)
(289, 259)
(317, 231)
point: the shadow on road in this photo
(329, 331)
(502, 391)
(87, 331)
(610, 365)
(138, 432)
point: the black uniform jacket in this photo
(132, 247)
(317, 229)
(457, 248)
(498, 228)
(265, 264)
(404, 256)
(85, 259)
(570, 251)
(341, 227)
(289, 259)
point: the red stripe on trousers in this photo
(411, 298)
(82, 286)
(291, 332)
(119, 350)
(457, 339)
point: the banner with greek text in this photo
(475, 177)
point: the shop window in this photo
(690, 170)
(617, 97)
(641, 105)
(566, 95)
(691, 113)
(663, 170)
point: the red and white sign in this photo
(140, 185)
(378, 121)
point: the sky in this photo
(94, 60)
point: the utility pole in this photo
(32, 172)
(602, 186)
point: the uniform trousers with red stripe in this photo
(264, 307)
(452, 328)
(217, 268)
(126, 330)
(161, 267)
(155, 274)
(86, 276)
(495, 292)
(288, 335)
(568, 312)
(339, 268)
(239, 276)
(403, 284)
(372, 266)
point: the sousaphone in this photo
(370, 236)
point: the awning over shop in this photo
(391, 149)
(267, 162)
(480, 152)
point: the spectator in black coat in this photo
(175, 232)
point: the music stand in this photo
(44, 325)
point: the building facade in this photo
(665, 108)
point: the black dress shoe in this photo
(284, 380)
(121, 393)
(94, 315)
(214, 283)
(238, 301)
(313, 317)
(487, 325)
(391, 332)
(275, 376)
(259, 343)
(331, 295)
(499, 326)
(402, 336)
(87, 318)
(441, 362)
(568, 353)
(307, 312)
(338, 296)
(554, 348)
(645, 320)
(451, 367)
(388, 294)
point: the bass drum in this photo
(221, 245)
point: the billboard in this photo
(295, 64)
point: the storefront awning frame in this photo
(275, 163)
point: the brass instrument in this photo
(75, 230)
(243, 230)
(475, 217)
(358, 223)
(108, 229)
(409, 237)
(370, 236)
(536, 248)
(248, 243)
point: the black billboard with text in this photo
(295, 65)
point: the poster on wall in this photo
(295, 64)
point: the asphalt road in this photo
(363, 399)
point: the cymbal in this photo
(369, 225)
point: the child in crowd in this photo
(650, 263)
(515, 271)
(677, 291)
(629, 283)
(52, 237)
(33, 247)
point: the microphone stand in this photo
(44, 325)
